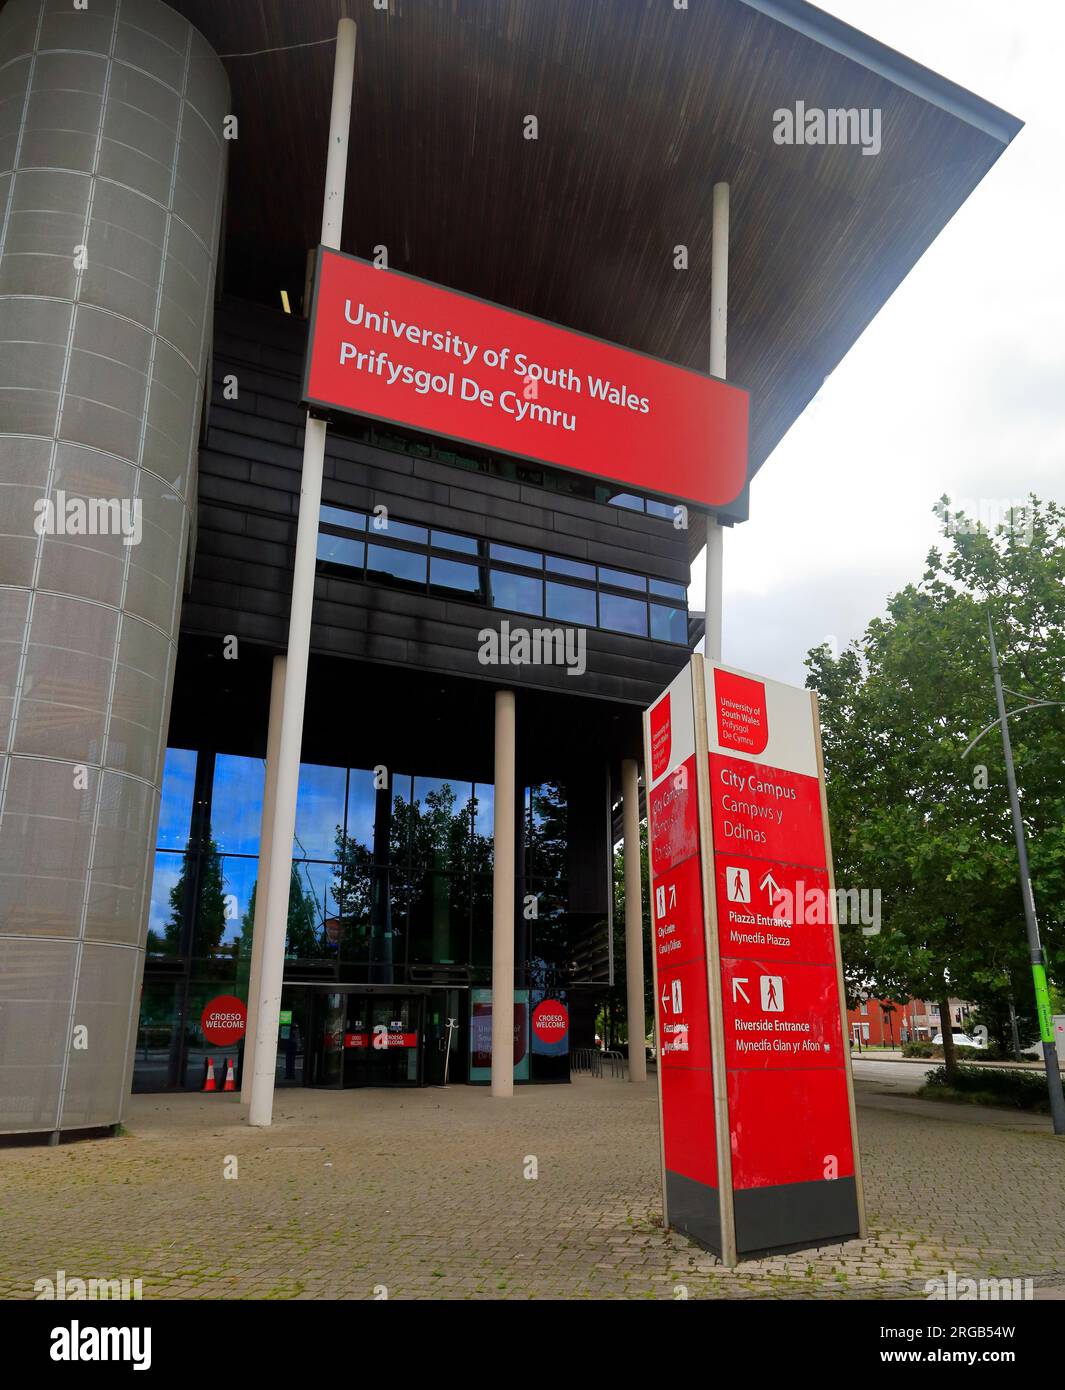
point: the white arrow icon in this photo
(737, 988)
(771, 886)
(665, 999)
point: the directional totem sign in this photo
(759, 1145)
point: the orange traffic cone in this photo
(231, 1080)
(210, 1084)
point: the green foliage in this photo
(917, 1049)
(915, 819)
(1020, 1090)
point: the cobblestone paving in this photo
(424, 1193)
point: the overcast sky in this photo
(956, 386)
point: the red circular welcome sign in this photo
(550, 1021)
(224, 1019)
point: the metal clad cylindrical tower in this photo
(112, 165)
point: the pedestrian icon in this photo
(738, 885)
(772, 993)
(660, 903)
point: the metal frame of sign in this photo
(736, 508)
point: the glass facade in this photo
(390, 885)
(501, 576)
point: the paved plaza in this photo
(425, 1194)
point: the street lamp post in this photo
(1035, 947)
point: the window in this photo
(445, 563)
(404, 568)
(622, 579)
(667, 589)
(628, 500)
(456, 577)
(619, 614)
(512, 555)
(390, 530)
(520, 593)
(669, 624)
(175, 808)
(448, 540)
(340, 550)
(576, 569)
(237, 803)
(339, 516)
(571, 603)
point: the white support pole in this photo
(261, 1106)
(503, 898)
(715, 535)
(258, 930)
(630, 802)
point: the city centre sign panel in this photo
(759, 1141)
(396, 348)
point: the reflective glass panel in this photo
(340, 516)
(668, 589)
(340, 550)
(175, 808)
(629, 500)
(169, 886)
(401, 566)
(619, 614)
(448, 540)
(622, 579)
(669, 624)
(387, 528)
(512, 555)
(576, 569)
(319, 811)
(518, 592)
(571, 603)
(237, 803)
(456, 577)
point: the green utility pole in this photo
(1039, 974)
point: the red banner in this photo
(396, 348)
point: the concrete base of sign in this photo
(798, 1216)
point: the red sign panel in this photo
(550, 1020)
(742, 722)
(400, 349)
(661, 737)
(773, 911)
(674, 818)
(765, 811)
(224, 1019)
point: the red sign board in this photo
(550, 1021)
(766, 811)
(396, 348)
(748, 985)
(224, 1019)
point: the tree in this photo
(913, 818)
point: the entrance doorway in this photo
(362, 1038)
